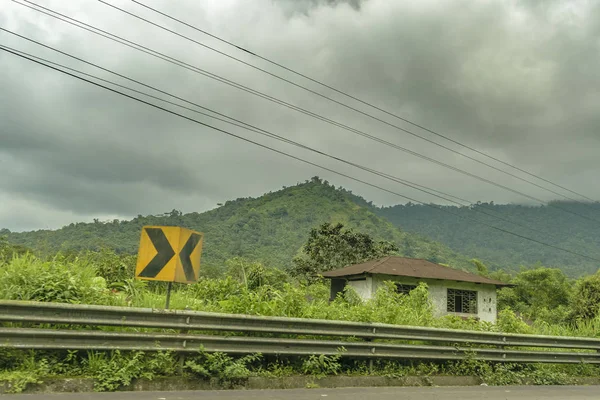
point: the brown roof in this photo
(411, 267)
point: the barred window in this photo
(462, 301)
(404, 289)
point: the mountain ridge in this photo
(501, 250)
(270, 228)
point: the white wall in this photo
(486, 294)
(363, 287)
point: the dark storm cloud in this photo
(306, 6)
(516, 79)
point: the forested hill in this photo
(271, 228)
(550, 224)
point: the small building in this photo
(451, 291)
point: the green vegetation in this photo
(330, 247)
(250, 287)
(8, 250)
(116, 370)
(269, 229)
(262, 257)
(500, 250)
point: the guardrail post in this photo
(181, 359)
(169, 288)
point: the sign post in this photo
(169, 288)
(170, 254)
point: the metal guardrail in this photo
(100, 340)
(93, 316)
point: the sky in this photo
(517, 80)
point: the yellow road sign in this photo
(169, 253)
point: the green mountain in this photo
(577, 230)
(270, 228)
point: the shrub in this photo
(322, 365)
(509, 322)
(115, 268)
(585, 302)
(29, 278)
(221, 366)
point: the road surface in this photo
(404, 393)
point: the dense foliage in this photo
(249, 287)
(539, 293)
(269, 229)
(257, 256)
(9, 250)
(331, 246)
(549, 224)
(585, 302)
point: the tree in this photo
(482, 269)
(541, 293)
(331, 246)
(269, 229)
(8, 250)
(585, 302)
(114, 268)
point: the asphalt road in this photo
(405, 393)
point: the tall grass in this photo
(28, 278)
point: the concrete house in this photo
(451, 291)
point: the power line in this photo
(344, 104)
(346, 94)
(244, 125)
(284, 153)
(182, 64)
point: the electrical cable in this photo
(284, 153)
(331, 99)
(182, 64)
(346, 94)
(244, 125)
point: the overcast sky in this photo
(518, 80)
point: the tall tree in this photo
(585, 303)
(541, 293)
(331, 246)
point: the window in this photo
(404, 289)
(462, 301)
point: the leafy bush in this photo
(585, 302)
(29, 278)
(18, 380)
(30, 370)
(116, 269)
(322, 365)
(222, 366)
(526, 374)
(114, 370)
(508, 322)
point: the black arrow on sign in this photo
(185, 254)
(164, 255)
